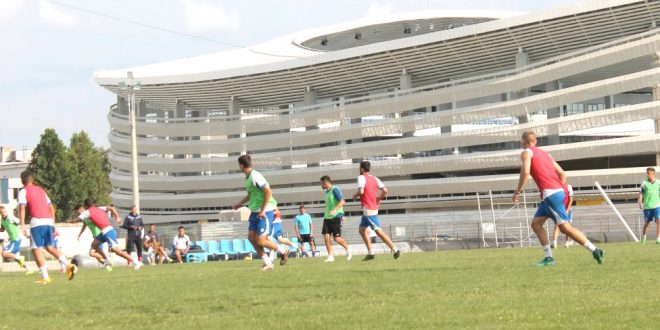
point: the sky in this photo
(50, 51)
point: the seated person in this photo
(181, 244)
(153, 245)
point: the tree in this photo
(91, 170)
(52, 171)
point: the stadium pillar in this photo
(405, 82)
(309, 99)
(656, 121)
(609, 101)
(522, 59)
(553, 137)
(122, 105)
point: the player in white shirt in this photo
(181, 245)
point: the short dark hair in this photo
(245, 160)
(301, 207)
(650, 169)
(326, 178)
(365, 165)
(77, 206)
(89, 203)
(25, 176)
(181, 227)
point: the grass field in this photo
(457, 289)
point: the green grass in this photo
(457, 289)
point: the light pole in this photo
(130, 86)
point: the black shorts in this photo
(332, 226)
(306, 238)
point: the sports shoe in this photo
(138, 265)
(285, 256)
(369, 257)
(547, 261)
(29, 272)
(643, 241)
(71, 271)
(330, 259)
(397, 254)
(599, 255)
(108, 268)
(657, 241)
(21, 261)
(349, 254)
(267, 268)
(43, 281)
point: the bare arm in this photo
(82, 230)
(267, 194)
(311, 229)
(526, 159)
(383, 194)
(640, 196)
(114, 213)
(297, 231)
(52, 211)
(570, 204)
(21, 214)
(243, 201)
(359, 193)
(560, 172)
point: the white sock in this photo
(266, 260)
(395, 250)
(281, 249)
(370, 252)
(554, 243)
(295, 246)
(44, 272)
(547, 250)
(590, 246)
(63, 261)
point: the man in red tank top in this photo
(34, 199)
(550, 179)
(368, 187)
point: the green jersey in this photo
(332, 198)
(92, 227)
(10, 225)
(254, 183)
(650, 194)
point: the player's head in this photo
(326, 182)
(365, 167)
(182, 231)
(302, 209)
(88, 203)
(133, 209)
(650, 173)
(152, 227)
(528, 139)
(27, 177)
(3, 211)
(245, 163)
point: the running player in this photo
(568, 204)
(278, 235)
(550, 179)
(368, 187)
(99, 218)
(648, 199)
(87, 223)
(12, 249)
(34, 199)
(333, 217)
(261, 204)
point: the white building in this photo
(437, 99)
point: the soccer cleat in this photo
(285, 256)
(71, 271)
(397, 254)
(267, 268)
(369, 257)
(138, 265)
(21, 261)
(29, 272)
(599, 255)
(330, 259)
(643, 241)
(349, 254)
(547, 261)
(43, 281)
(657, 241)
(108, 268)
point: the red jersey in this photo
(36, 201)
(543, 171)
(371, 186)
(97, 216)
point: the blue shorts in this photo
(261, 226)
(41, 236)
(553, 208)
(277, 231)
(109, 237)
(14, 247)
(652, 214)
(370, 221)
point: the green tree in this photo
(52, 171)
(91, 169)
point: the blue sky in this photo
(49, 51)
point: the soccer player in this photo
(87, 223)
(648, 199)
(568, 204)
(12, 250)
(34, 199)
(261, 205)
(333, 217)
(304, 227)
(367, 192)
(279, 235)
(550, 179)
(99, 218)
